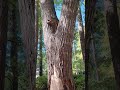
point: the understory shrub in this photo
(41, 82)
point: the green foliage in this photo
(22, 83)
(79, 81)
(44, 61)
(8, 80)
(107, 83)
(41, 83)
(7, 85)
(77, 59)
(58, 4)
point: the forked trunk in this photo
(58, 38)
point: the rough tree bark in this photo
(89, 12)
(27, 19)
(14, 63)
(114, 36)
(3, 39)
(36, 24)
(58, 37)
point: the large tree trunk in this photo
(27, 19)
(81, 32)
(58, 43)
(114, 36)
(14, 63)
(90, 9)
(14, 66)
(3, 38)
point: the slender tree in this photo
(41, 56)
(3, 38)
(27, 19)
(89, 12)
(58, 37)
(36, 24)
(114, 36)
(39, 26)
(81, 31)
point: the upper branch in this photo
(68, 15)
(48, 12)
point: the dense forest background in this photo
(59, 45)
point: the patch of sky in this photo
(82, 6)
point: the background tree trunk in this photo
(93, 57)
(36, 24)
(41, 56)
(81, 32)
(114, 36)
(58, 43)
(14, 62)
(27, 19)
(39, 27)
(3, 38)
(89, 12)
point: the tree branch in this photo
(48, 12)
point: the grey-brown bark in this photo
(13, 39)
(14, 66)
(89, 12)
(118, 9)
(27, 19)
(3, 38)
(58, 43)
(114, 36)
(81, 32)
(93, 57)
(36, 24)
